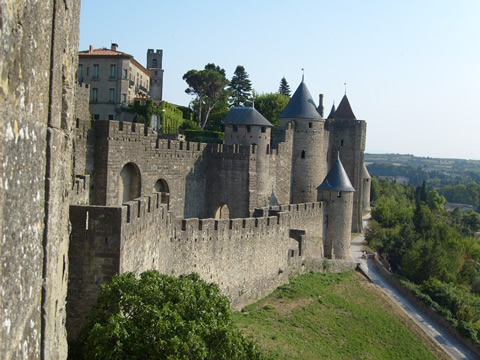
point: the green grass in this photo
(332, 316)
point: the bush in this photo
(161, 317)
(204, 136)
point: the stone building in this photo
(116, 79)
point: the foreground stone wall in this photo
(38, 47)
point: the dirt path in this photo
(437, 333)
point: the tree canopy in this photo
(270, 105)
(431, 247)
(209, 86)
(161, 317)
(241, 87)
(284, 88)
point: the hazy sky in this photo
(412, 67)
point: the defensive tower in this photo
(347, 135)
(367, 182)
(154, 65)
(246, 126)
(337, 192)
(308, 158)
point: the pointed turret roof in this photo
(366, 174)
(273, 200)
(239, 115)
(344, 110)
(301, 105)
(332, 112)
(337, 179)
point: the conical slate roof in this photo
(365, 174)
(332, 112)
(273, 200)
(245, 116)
(344, 110)
(337, 179)
(301, 105)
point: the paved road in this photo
(451, 346)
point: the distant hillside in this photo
(456, 179)
(427, 163)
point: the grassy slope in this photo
(333, 316)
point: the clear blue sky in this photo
(412, 67)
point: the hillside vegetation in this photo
(438, 252)
(456, 179)
(333, 316)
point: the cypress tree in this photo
(241, 87)
(284, 88)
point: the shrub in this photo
(161, 317)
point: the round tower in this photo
(337, 193)
(367, 183)
(246, 126)
(348, 135)
(309, 163)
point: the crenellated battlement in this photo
(146, 211)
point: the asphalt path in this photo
(439, 334)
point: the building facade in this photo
(116, 80)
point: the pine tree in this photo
(284, 87)
(241, 87)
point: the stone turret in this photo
(308, 157)
(154, 65)
(347, 135)
(246, 126)
(367, 183)
(337, 192)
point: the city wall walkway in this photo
(438, 333)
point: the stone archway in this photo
(130, 183)
(222, 212)
(161, 186)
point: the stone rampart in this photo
(247, 257)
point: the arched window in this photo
(130, 183)
(154, 63)
(303, 154)
(222, 212)
(161, 186)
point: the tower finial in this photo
(303, 74)
(345, 83)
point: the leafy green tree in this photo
(284, 88)
(209, 87)
(435, 201)
(471, 220)
(162, 317)
(270, 105)
(241, 87)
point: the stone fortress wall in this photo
(247, 257)
(248, 248)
